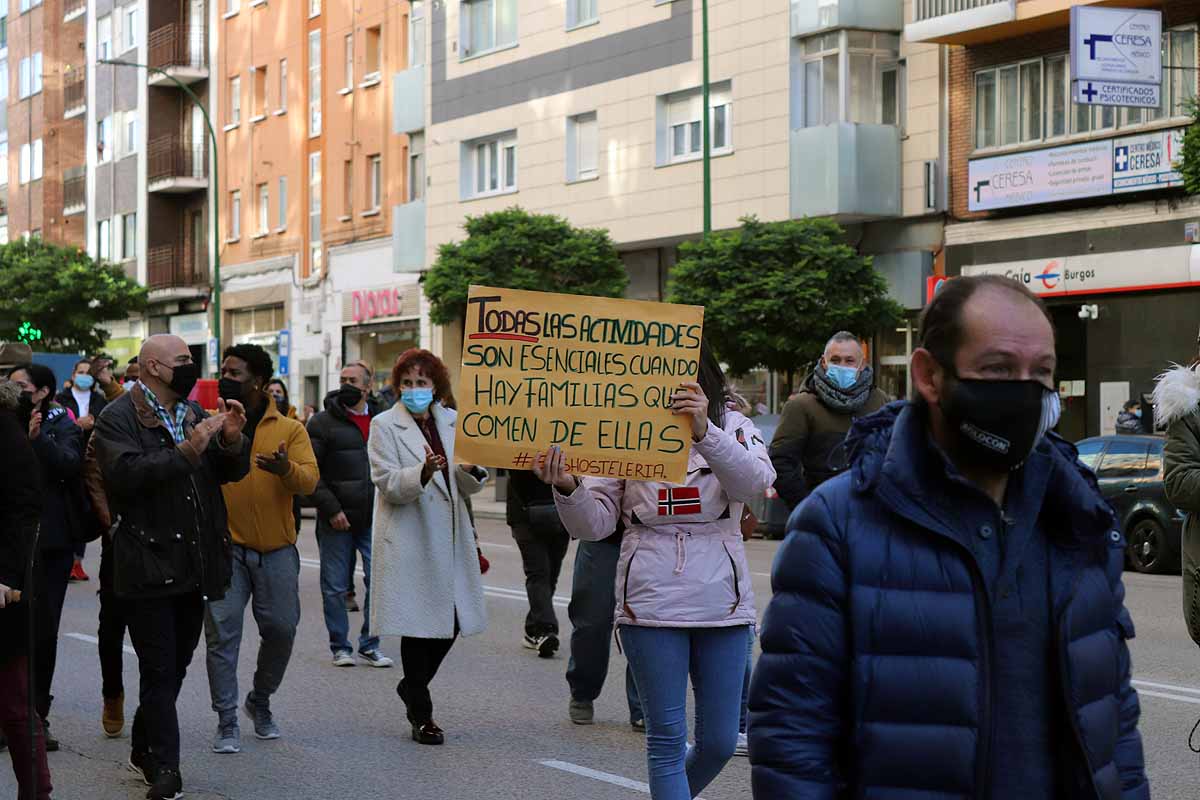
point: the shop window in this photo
(260, 326)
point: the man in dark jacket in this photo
(20, 508)
(543, 542)
(806, 450)
(948, 617)
(345, 499)
(163, 460)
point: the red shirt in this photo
(363, 421)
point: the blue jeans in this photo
(746, 682)
(662, 659)
(591, 610)
(337, 554)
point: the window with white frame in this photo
(4, 161)
(1029, 101)
(235, 100)
(581, 12)
(685, 122)
(849, 76)
(264, 209)
(282, 200)
(129, 32)
(490, 165)
(314, 7)
(283, 89)
(23, 164)
(129, 133)
(348, 61)
(104, 239)
(129, 237)
(104, 140)
(487, 25)
(232, 6)
(892, 93)
(416, 33)
(235, 215)
(374, 182)
(3, 78)
(314, 209)
(416, 166)
(314, 83)
(104, 38)
(35, 173)
(30, 79)
(583, 146)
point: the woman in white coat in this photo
(425, 579)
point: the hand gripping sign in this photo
(590, 374)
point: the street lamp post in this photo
(707, 116)
(216, 228)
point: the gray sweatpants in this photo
(270, 582)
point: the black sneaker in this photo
(142, 764)
(546, 645)
(51, 742)
(167, 786)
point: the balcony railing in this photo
(172, 265)
(73, 8)
(179, 46)
(74, 97)
(928, 9)
(74, 194)
(170, 157)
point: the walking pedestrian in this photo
(266, 563)
(344, 499)
(1129, 421)
(85, 401)
(163, 460)
(543, 542)
(428, 587)
(21, 502)
(807, 447)
(685, 603)
(948, 617)
(58, 446)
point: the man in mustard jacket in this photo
(266, 564)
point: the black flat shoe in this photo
(428, 733)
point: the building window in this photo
(129, 134)
(684, 122)
(347, 187)
(487, 25)
(235, 100)
(30, 75)
(314, 7)
(581, 12)
(235, 215)
(583, 146)
(232, 6)
(23, 165)
(130, 32)
(314, 208)
(416, 33)
(3, 78)
(104, 239)
(892, 93)
(416, 166)
(374, 182)
(104, 140)
(348, 68)
(264, 209)
(4, 27)
(373, 54)
(260, 90)
(490, 165)
(104, 38)
(849, 76)
(282, 200)
(4, 162)
(283, 92)
(28, 4)
(129, 237)
(314, 83)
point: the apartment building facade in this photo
(1080, 203)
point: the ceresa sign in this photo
(1120, 45)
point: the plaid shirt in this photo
(173, 425)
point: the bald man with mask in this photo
(163, 460)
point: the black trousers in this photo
(165, 633)
(542, 555)
(420, 659)
(112, 630)
(53, 569)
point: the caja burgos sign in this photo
(1116, 45)
(1102, 273)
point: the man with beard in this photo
(806, 448)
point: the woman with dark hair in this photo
(58, 444)
(425, 576)
(279, 395)
(685, 605)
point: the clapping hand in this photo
(233, 415)
(433, 464)
(276, 463)
(204, 430)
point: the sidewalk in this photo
(486, 506)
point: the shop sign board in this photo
(1108, 93)
(592, 375)
(1102, 273)
(285, 350)
(374, 305)
(1090, 169)
(1116, 45)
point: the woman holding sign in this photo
(425, 579)
(684, 598)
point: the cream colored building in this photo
(591, 109)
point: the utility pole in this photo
(707, 120)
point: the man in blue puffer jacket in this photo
(948, 617)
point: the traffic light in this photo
(28, 333)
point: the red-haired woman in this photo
(425, 581)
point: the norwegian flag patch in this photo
(677, 500)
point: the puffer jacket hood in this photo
(1176, 394)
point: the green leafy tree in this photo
(774, 292)
(1189, 157)
(513, 249)
(57, 298)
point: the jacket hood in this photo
(10, 395)
(1176, 394)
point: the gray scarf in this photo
(843, 401)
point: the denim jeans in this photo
(593, 601)
(270, 582)
(337, 554)
(746, 682)
(662, 659)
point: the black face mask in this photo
(282, 405)
(231, 389)
(998, 423)
(25, 407)
(349, 395)
(183, 379)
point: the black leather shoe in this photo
(428, 733)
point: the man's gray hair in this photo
(840, 337)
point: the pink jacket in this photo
(682, 564)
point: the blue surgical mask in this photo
(1137, 412)
(84, 382)
(417, 400)
(842, 377)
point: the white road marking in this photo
(1167, 686)
(1176, 697)
(763, 574)
(597, 775)
(484, 543)
(83, 637)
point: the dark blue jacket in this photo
(875, 679)
(59, 451)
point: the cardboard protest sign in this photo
(591, 374)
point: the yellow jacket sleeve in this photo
(303, 476)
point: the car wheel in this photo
(1148, 550)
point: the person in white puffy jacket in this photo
(684, 599)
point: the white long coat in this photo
(424, 568)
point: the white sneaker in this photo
(376, 658)
(743, 746)
(344, 658)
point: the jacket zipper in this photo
(1066, 689)
(625, 588)
(737, 588)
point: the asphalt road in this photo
(504, 711)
